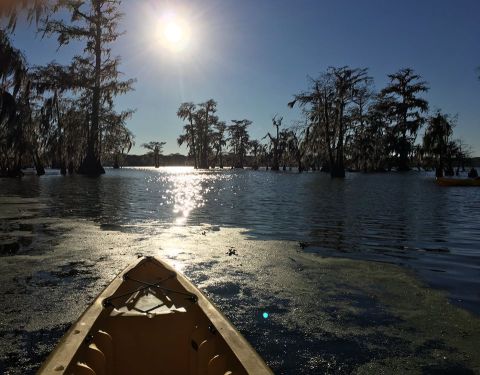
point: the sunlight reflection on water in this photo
(404, 219)
(186, 191)
(187, 195)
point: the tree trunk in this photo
(71, 169)
(440, 167)
(275, 164)
(327, 134)
(116, 164)
(92, 165)
(337, 171)
(204, 155)
(338, 167)
(38, 164)
(241, 159)
(193, 147)
(403, 162)
(63, 169)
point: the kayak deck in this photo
(152, 320)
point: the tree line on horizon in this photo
(345, 125)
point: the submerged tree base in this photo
(337, 172)
(91, 166)
(11, 173)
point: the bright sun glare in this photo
(174, 33)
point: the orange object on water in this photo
(445, 181)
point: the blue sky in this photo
(252, 56)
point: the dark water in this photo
(327, 315)
(405, 219)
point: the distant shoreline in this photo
(179, 160)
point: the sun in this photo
(174, 33)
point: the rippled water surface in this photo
(357, 275)
(405, 219)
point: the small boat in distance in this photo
(152, 320)
(445, 181)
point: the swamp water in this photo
(387, 279)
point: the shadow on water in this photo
(34, 347)
(347, 331)
(34, 303)
(290, 350)
(9, 248)
(27, 239)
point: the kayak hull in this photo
(152, 320)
